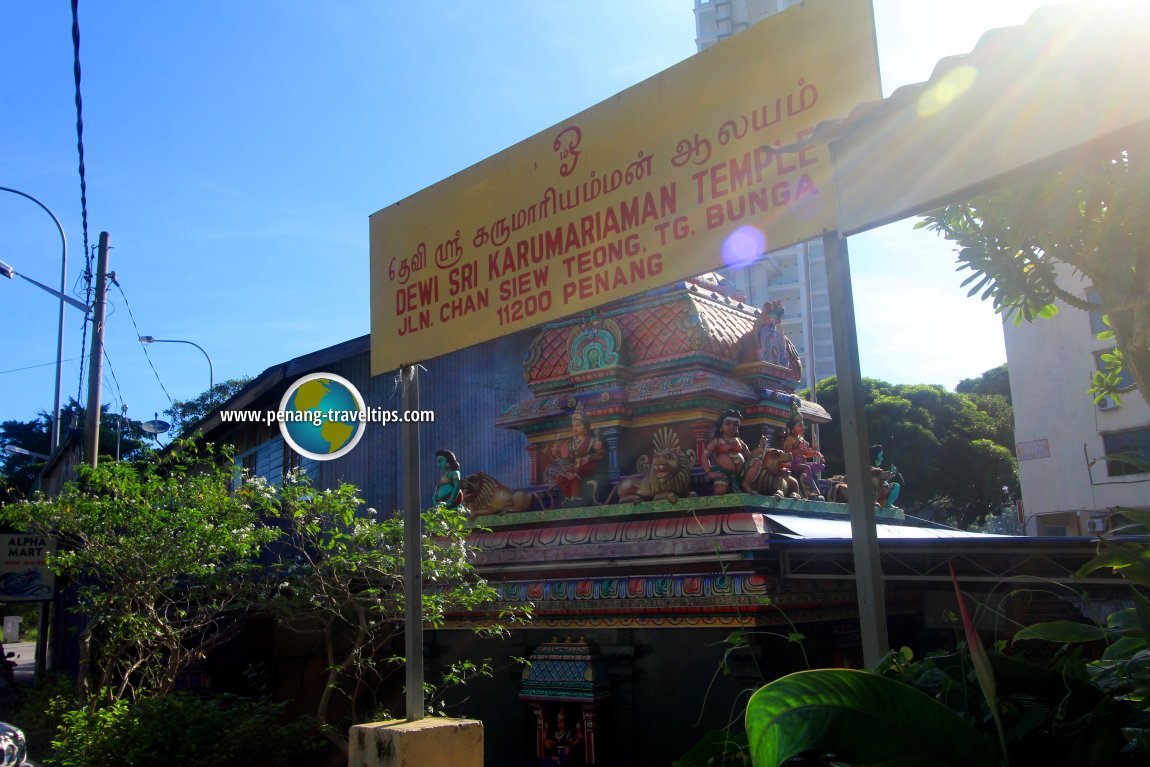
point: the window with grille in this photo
(1127, 452)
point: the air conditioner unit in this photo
(1107, 403)
(1096, 525)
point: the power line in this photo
(87, 299)
(80, 123)
(118, 395)
(83, 191)
(32, 367)
(128, 306)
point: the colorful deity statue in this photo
(578, 459)
(725, 456)
(447, 490)
(886, 490)
(768, 471)
(559, 744)
(806, 462)
(772, 343)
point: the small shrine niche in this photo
(565, 684)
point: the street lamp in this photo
(8, 271)
(17, 450)
(63, 299)
(211, 370)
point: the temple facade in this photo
(625, 474)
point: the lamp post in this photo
(7, 270)
(63, 300)
(211, 370)
(17, 450)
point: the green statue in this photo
(447, 492)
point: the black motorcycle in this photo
(10, 692)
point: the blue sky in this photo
(234, 151)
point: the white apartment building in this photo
(1062, 436)
(796, 275)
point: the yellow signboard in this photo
(666, 180)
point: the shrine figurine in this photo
(767, 471)
(447, 491)
(886, 490)
(805, 460)
(772, 343)
(666, 473)
(725, 456)
(578, 459)
(560, 744)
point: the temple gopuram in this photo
(622, 520)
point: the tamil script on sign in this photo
(666, 180)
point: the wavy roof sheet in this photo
(1024, 97)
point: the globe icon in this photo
(322, 416)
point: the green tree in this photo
(185, 415)
(993, 381)
(944, 445)
(340, 576)
(18, 473)
(1000, 414)
(164, 559)
(992, 479)
(1091, 220)
(169, 555)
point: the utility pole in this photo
(412, 548)
(95, 361)
(852, 421)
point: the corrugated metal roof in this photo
(1023, 99)
(831, 130)
(826, 529)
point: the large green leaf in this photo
(1066, 631)
(1136, 516)
(1142, 610)
(1124, 649)
(862, 719)
(1130, 559)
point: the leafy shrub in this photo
(948, 708)
(41, 711)
(179, 730)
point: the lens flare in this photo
(946, 91)
(744, 246)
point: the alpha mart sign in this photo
(666, 180)
(24, 572)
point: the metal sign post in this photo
(852, 420)
(412, 547)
